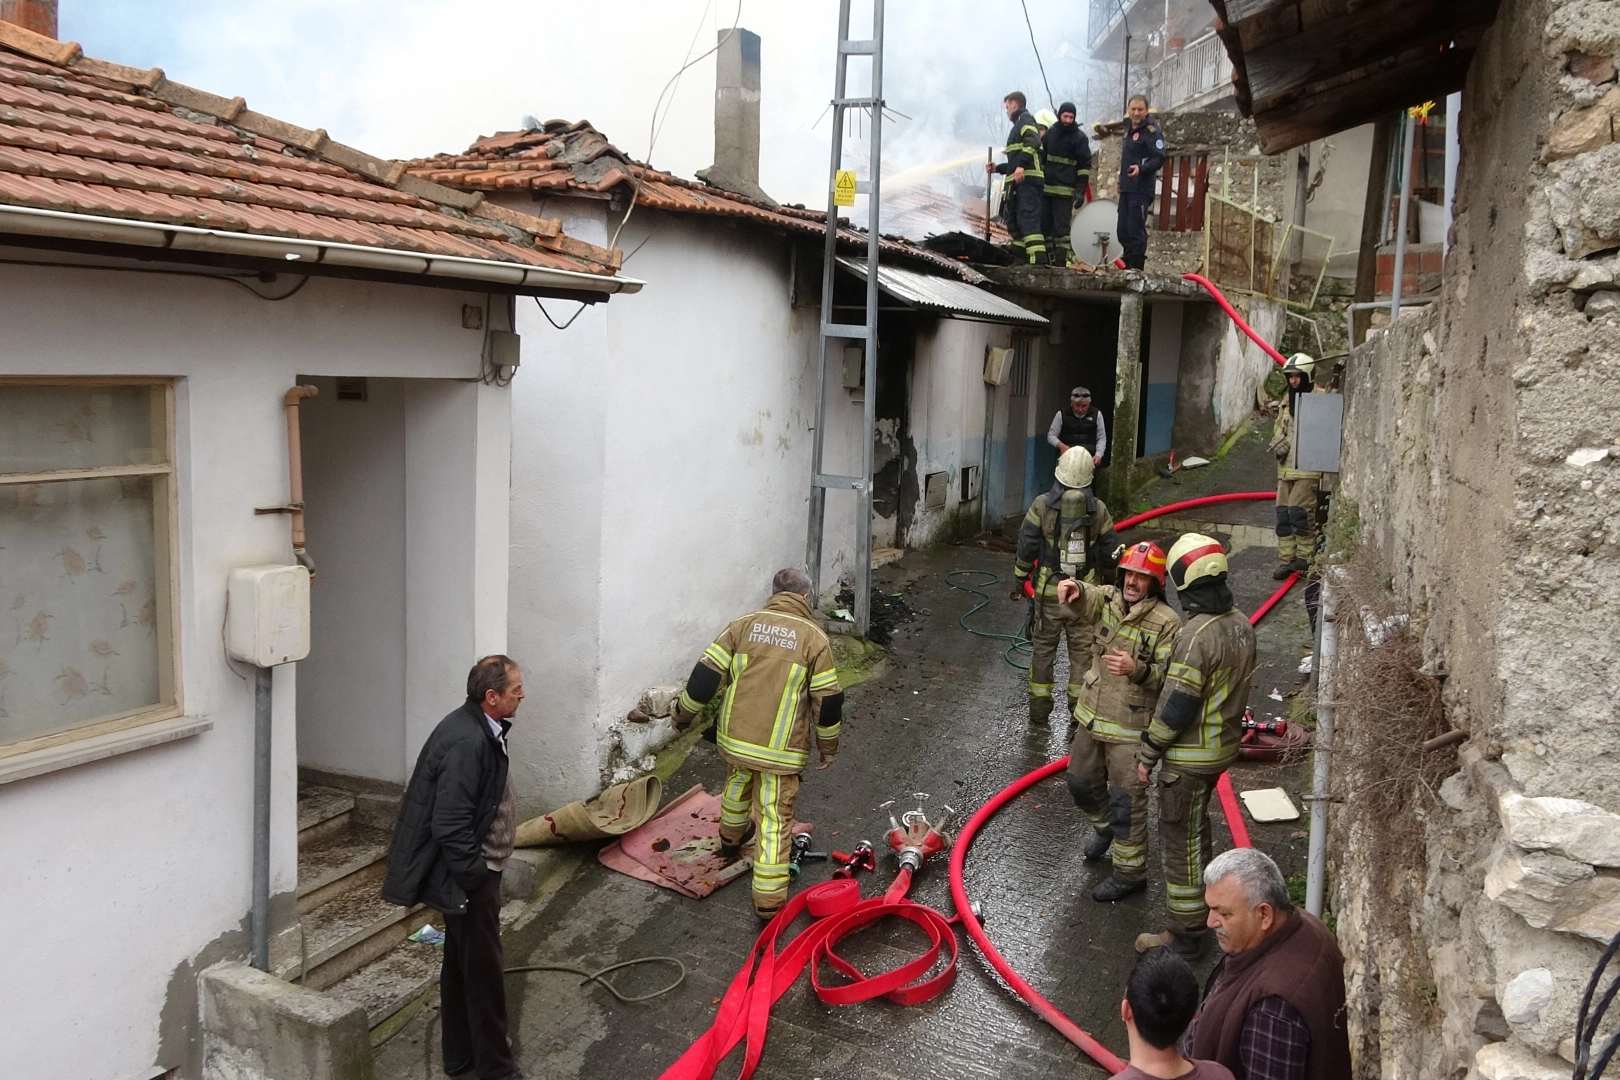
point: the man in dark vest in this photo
(1274, 1007)
(1079, 425)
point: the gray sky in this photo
(408, 78)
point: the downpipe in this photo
(1321, 766)
(295, 473)
(261, 818)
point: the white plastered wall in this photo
(121, 872)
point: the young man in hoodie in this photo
(1068, 172)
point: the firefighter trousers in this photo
(1186, 843)
(1053, 623)
(1132, 226)
(1102, 778)
(1024, 202)
(1296, 517)
(1057, 212)
(767, 798)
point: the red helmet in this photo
(1145, 558)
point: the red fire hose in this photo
(1231, 313)
(1223, 787)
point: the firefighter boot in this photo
(730, 853)
(1186, 946)
(1040, 710)
(1116, 889)
(1101, 840)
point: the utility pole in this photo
(834, 334)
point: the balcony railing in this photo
(1103, 15)
(1199, 69)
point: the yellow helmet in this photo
(1075, 467)
(1194, 556)
(1303, 363)
(1046, 118)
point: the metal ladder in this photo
(834, 334)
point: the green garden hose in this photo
(1020, 641)
(596, 976)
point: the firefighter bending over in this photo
(1067, 533)
(1134, 630)
(1195, 731)
(775, 669)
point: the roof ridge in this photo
(317, 144)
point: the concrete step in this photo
(323, 812)
(393, 987)
(343, 935)
(345, 862)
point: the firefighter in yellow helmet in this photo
(1296, 488)
(1195, 731)
(1067, 533)
(776, 670)
(1134, 630)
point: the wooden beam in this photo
(1355, 101)
(1237, 11)
(1336, 46)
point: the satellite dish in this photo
(1093, 232)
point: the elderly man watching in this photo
(1274, 1008)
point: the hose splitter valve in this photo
(914, 838)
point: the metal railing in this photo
(1247, 251)
(1103, 15)
(1201, 68)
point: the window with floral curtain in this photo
(86, 511)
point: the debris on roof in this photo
(80, 136)
(575, 158)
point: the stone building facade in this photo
(1482, 451)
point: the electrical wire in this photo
(582, 305)
(1050, 103)
(233, 279)
(596, 976)
(652, 126)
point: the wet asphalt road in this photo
(946, 715)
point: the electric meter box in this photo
(1318, 429)
(267, 622)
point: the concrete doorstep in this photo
(257, 1027)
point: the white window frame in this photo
(55, 750)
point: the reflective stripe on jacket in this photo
(775, 666)
(1117, 708)
(1067, 155)
(1066, 529)
(1023, 147)
(1213, 660)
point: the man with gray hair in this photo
(1274, 1007)
(775, 667)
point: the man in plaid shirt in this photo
(1274, 1008)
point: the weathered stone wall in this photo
(1482, 442)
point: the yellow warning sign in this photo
(844, 188)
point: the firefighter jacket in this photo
(1117, 708)
(775, 666)
(1023, 147)
(1199, 720)
(1143, 147)
(1068, 159)
(1282, 437)
(1067, 533)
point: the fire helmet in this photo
(1194, 557)
(1301, 364)
(1046, 118)
(1075, 467)
(1145, 558)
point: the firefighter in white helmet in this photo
(1067, 533)
(1195, 730)
(1296, 488)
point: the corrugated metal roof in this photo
(942, 294)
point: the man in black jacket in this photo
(1068, 171)
(1023, 196)
(1141, 156)
(456, 825)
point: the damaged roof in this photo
(561, 158)
(929, 292)
(97, 152)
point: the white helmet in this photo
(1303, 363)
(1075, 467)
(1046, 118)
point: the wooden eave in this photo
(1304, 69)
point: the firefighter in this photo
(1296, 488)
(1141, 156)
(775, 667)
(1068, 173)
(1195, 731)
(1133, 630)
(1023, 200)
(1067, 533)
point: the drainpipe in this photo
(261, 813)
(1322, 670)
(1400, 230)
(295, 470)
(1453, 153)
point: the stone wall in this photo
(1481, 445)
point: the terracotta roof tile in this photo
(84, 136)
(563, 156)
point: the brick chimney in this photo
(40, 17)
(736, 117)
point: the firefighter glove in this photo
(681, 718)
